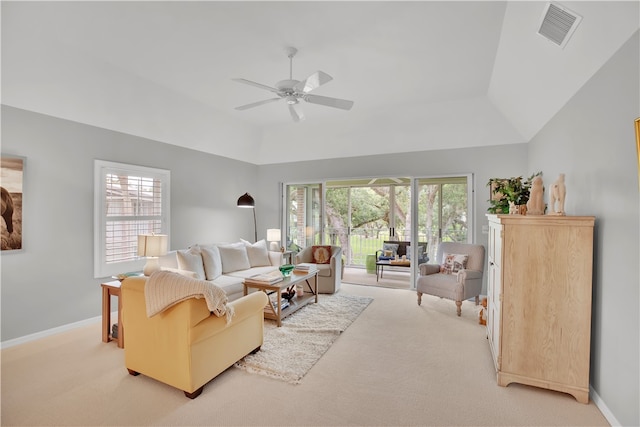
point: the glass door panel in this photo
(369, 222)
(361, 215)
(442, 211)
(337, 216)
(304, 215)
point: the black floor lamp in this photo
(246, 201)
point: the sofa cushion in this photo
(230, 284)
(211, 261)
(191, 260)
(244, 274)
(257, 252)
(321, 254)
(234, 257)
(452, 263)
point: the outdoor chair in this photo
(391, 248)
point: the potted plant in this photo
(506, 190)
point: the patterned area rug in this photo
(290, 351)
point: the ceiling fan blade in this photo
(255, 104)
(259, 85)
(296, 113)
(329, 102)
(315, 80)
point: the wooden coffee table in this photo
(278, 313)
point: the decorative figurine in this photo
(513, 209)
(556, 196)
(535, 205)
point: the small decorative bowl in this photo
(286, 269)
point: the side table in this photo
(111, 289)
(288, 257)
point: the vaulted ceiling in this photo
(423, 74)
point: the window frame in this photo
(101, 168)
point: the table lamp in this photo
(274, 236)
(152, 246)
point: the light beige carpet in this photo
(397, 279)
(396, 364)
(289, 351)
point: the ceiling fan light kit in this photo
(293, 90)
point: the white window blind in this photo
(129, 200)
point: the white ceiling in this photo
(423, 74)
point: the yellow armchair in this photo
(186, 346)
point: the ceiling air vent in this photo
(558, 23)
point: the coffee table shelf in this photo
(278, 313)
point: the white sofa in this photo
(224, 264)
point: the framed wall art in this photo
(11, 188)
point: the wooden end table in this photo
(278, 313)
(111, 289)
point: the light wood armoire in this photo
(539, 300)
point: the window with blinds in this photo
(129, 200)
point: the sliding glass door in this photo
(443, 211)
(360, 214)
(304, 215)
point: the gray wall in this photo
(53, 275)
(50, 282)
(592, 141)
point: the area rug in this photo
(290, 351)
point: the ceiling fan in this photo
(292, 91)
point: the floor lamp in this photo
(246, 201)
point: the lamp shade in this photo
(246, 201)
(273, 235)
(152, 245)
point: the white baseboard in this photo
(603, 407)
(52, 331)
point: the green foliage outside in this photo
(370, 216)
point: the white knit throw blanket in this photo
(165, 289)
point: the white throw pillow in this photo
(234, 257)
(258, 253)
(212, 262)
(191, 260)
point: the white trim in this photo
(100, 268)
(603, 408)
(53, 331)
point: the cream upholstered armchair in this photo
(457, 274)
(329, 274)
